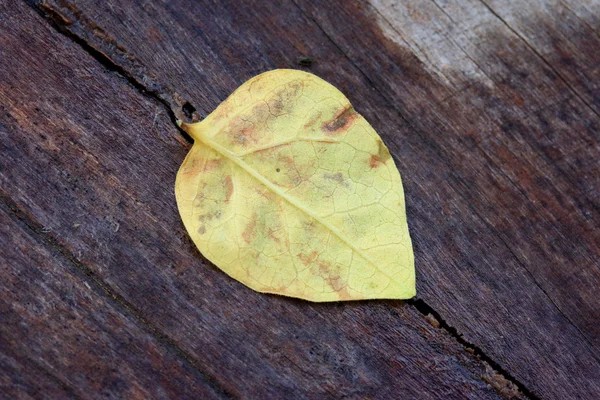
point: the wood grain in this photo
(497, 142)
(87, 177)
(561, 33)
(62, 336)
(520, 124)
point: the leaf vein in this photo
(240, 163)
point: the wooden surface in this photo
(491, 110)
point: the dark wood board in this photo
(87, 171)
(497, 142)
(63, 337)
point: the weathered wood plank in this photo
(521, 125)
(23, 378)
(588, 12)
(553, 139)
(547, 138)
(97, 183)
(496, 154)
(519, 91)
(567, 40)
(60, 336)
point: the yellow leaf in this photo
(290, 191)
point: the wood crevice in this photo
(428, 312)
(60, 24)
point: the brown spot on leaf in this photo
(228, 188)
(285, 160)
(381, 157)
(313, 120)
(202, 230)
(191, 167)
(324, 269)
(283, 101)
(289, 172)
(245, 135)
(249, 233)
(273, 235)
(341, 121)
(210, 216)
(196, 165)
(331, 276)
(344, 293)
(266, 194)
(337, 177)
(274, 148)
(307, 259)
(211, 165)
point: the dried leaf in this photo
(290, 191)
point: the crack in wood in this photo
(60, 24)
(428, 313)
